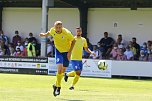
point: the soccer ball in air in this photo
(102, 65)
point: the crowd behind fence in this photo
(106, 48)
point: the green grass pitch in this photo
(19, 87)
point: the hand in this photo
(93, 53)
(42, 34)
(69, 55)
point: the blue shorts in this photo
(61, 58)
(77, 65)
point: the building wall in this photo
(130, 23)
(27, 20)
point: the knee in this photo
(59, 71)
(78, 73)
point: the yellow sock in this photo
(71, 74)
(75, 80)
(59, 78)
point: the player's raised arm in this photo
(44, 34)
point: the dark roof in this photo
(78, 3)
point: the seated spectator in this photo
(106, 44)
(31, 37)
(137, 46)
(121, 55)
(150, 57)
(25, 47)
(18, 52)
(90, 46)
(4, 37)
(120, 42)
(132, 48)
(149, 49)
(149, 43)
(129, 54)
(114, 52)
(11, 49)
(144, 48)
(143, 56)
(26, 40)
(16, 38)
(31, 51)
(96, 51)
(19, 46)
(4, 47)
(38, 49)
(1, 51)
(49, 49)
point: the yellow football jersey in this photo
(63, 40)
(78, 48)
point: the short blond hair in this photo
(57, 23)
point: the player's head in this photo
(58, 26)
(78, 31)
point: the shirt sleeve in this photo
(70, 36)
(85, 43)
(50, 32)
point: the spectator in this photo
(136, 45)
(96, 51)
(16, 38)
(132, 48)
(150, 57)
(49, 49)
(144, 48)
(121, 55)
(25, 47)
(4, 37)
(26, 42)
(114, 52)
(120, 41)
(143, 56)
(38, 49)
(106, 44)
(4, 47)
(1, 51)
(11, 49)
(31, 37)
(31, 51)
(18, 52)
(149, 43)
(129, 54)
(19, 46)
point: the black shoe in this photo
(58, 90)
(71, 88)
(65, 77)
(54, 90)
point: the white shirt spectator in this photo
(122, 44)
(21, 47)
(1, 52)
(129, 54)
(49, 48)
